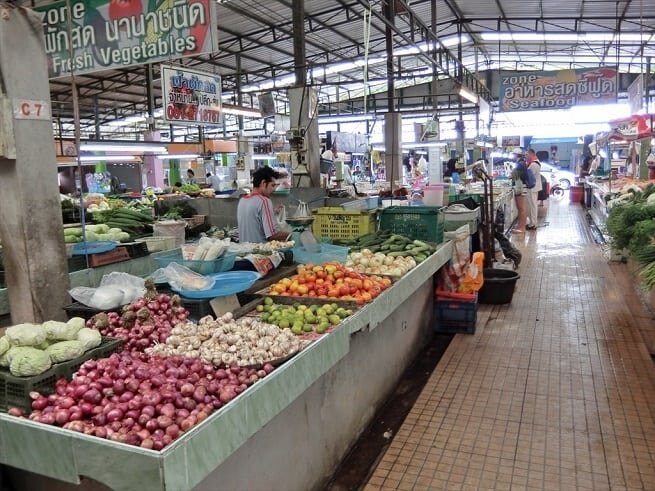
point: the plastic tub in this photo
(433, 195)
(498, 286)
(218, 265)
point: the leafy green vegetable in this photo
(642, 235)
(622, 219)
(29, 362)
(65, 350)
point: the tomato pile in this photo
(331, 280)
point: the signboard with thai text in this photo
(84, 36)
(190, 96)
(520, 91)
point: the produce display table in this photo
(294, 426)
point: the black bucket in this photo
(498, 286)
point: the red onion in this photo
(114, 415)
(61, 417)
(151, 425)
(93, 396)
(40, 403)
(15, 411)
(164, 421)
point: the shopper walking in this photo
(520, 190)
(534, 166)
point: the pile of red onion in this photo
(144, 322)
(140, 400)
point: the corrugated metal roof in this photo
(256, 45)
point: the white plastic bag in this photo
(281, 224)
(182, 278)
(115, 289)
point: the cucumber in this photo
(131, 214)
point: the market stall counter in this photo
(295, 425)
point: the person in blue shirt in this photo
(451, 171)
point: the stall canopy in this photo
(633, 128)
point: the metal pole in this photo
(298, 17)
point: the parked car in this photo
(564, 177)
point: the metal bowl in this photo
(298, 221)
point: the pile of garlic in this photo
(226, 341)
(368, 262)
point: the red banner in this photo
(632, 128)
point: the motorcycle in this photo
(554, 187)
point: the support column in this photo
(31, 226)
(305, 157)
(153, 168)
(393, 158)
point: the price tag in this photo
(223, 305)
(27, 109)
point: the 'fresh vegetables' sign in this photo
(105, 34)
(191, 96)
(557, 90)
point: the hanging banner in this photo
(110, 34)
(557, 90)
(636, 94)
(190, 96)
(632, 128)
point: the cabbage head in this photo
(26, 334)
(4, 345)
(60, 331)
(29, 362)
(64, 351)
(76, 322)
(90, 338)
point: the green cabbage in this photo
(60, 331)
(4, 345)
(77, 322)
(90, 338)
(64, 351)
(29, 361)
(26, 334)
(5, 360)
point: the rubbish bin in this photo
(498, 286)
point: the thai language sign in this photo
(106, 34)
(190, 96)
(557, 90)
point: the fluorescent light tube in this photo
(241, 111)
(468, 94)
(123, 147)
(108, 158)
(181, 156)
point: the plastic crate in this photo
(416, 222)
(197, 308)
(336, 223)
(455, 315)
(15, 391)
(328, 252)
(219, 265)
(136, 249)
(362, 204)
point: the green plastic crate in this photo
(416, 222)
(15, 391)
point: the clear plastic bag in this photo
(115, 289)
(182, 278)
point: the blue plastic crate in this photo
(328, 252)
(452, 316)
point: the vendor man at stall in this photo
(255, 214)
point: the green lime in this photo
(321, 328)
(260, 308)
(268, 301)
(296, 329)
(307, 328)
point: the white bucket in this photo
(433, 195)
